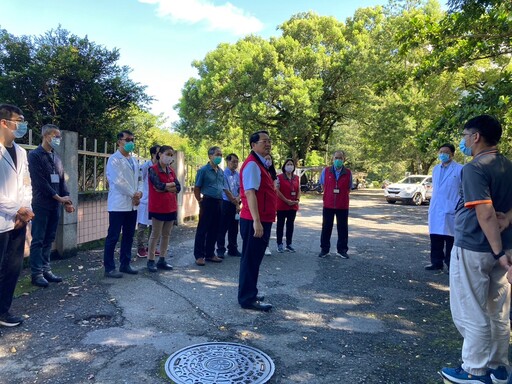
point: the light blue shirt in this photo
(252, 175)
(210, 182)
(231, 183)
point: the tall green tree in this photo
(67, 80)
(298, 86)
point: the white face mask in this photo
(289, 168)
(167, 160)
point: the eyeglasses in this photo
(265, 141)
(128, 139)
(17, 122)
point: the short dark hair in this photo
(287, 161)
(154, 149)
(7, 110)
(47, 128)
(255, 137)
(162, 149)
(451, 147)
(212, 150)
(121, 134)
(230, 156)
(487, 126)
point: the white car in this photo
(414, 189)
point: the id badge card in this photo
(293, 193)
(54, 178)
(336, 190)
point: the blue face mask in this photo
(129, 146)
(444, 157)
(338, 163)
(21, 129)
(55, 142)
(465, 150)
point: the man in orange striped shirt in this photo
(481, 257)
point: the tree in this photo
(298, 86)
(66, 80)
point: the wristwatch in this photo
(497, 256)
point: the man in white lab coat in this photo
(446, 181)
(15, 207)
(124, 194)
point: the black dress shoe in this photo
(51, 277)
(162, 264)
(113, 274)
(433, 267)
(151, 266)
(39, 281)
(260, 298)
(235, 254)
(128, 269)
(258, 306)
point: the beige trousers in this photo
(480, 306)
(160, 230)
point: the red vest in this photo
(265, 195)
(287, 188)
(162, 202)
(336, 200)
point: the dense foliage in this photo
(69, 81)
(389, 84)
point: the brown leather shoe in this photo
(200, 262)
(215, 259)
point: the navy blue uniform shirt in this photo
(41, 166)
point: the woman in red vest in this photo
(162, 205)
(288, 193)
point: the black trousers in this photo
(207, 228)
(287, 216)
(440, 249)
(341, 225)
(119, 221)
(230, 225)
(12, 246)
(253, 251)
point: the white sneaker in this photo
(268, 252)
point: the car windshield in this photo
(412, 180)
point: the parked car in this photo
(414, 189)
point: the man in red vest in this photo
(259, 200)
(336, 183)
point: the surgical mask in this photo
(465, 150)
(167, 160)
(21, 129)
(289, 168)
(129, 146)
(268, 163)
(444, 157)
(217, 160)
(338, 163)
(55, 142)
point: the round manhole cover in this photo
(219, 363)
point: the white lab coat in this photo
(142, 211)
(15, 186)
(445, 195)
(124, 181)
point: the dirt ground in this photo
(378, 317)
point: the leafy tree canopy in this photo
(67, 80)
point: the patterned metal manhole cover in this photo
(219, 363)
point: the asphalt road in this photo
(377, 317)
